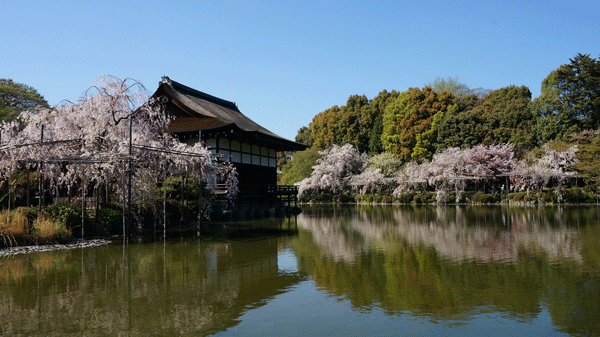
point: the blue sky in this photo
(283, 62)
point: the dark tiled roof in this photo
(225, 113)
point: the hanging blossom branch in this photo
(89, 132)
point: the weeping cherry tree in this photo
(334, 169)
(115, 129)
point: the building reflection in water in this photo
(182, 287)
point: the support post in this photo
(130, 168)
(8, 186)
(40, 180)
(83, 190)
(165, 203)
(123, 206)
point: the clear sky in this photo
(283, 62)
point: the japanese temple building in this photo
(227, 132)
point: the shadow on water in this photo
(226, 230)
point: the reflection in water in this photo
(451, 263)
(168, 289)
(415, 269)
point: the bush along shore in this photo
(24, 226)
(548, 197)
(58, 223)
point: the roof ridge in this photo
(203, 95)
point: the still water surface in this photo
(343, 270)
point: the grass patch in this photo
(24, 226)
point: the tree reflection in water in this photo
(456, 262)
(447, 267)
(181, 287)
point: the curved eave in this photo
(224, 116)
(277, 143)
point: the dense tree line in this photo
(416, 124)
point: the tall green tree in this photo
(349, 127)
(503, 116)
(579, 88)
(507, 117)
(352, 123)
(410, 122)
(304, 136)
(375, 145)
(588, 152)
(323, 127)
(460, 127)
(17, 97)
(299, 167)
(569, 100)
(372, 122)
(553, 118)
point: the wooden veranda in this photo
(259, 199)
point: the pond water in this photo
(334, 270)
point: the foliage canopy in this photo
(16, 98)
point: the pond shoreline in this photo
(9, 251)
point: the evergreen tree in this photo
(16, 98)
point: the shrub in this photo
(110, 217)
(420, 198)
(24, 225)
(517, 196)
(544, 197)
(16, 224)
(577, 195)
(45, 229)
(65, 214)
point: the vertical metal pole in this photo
(577, 193)
(40, 182)
(165, 203)
(198, 229)
(123, 206)
(165, 192)
(130, 168)
(83, 190)
(8, 186)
